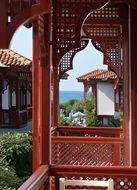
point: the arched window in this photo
(13, 98)
(5, 95)
(22, 97)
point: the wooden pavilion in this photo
(16, 89)
(60, 30)
(107, 91)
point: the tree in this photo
(90, 112)
(86, 105)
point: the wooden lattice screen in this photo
(104, 26)
(68, 17)
(66, 61)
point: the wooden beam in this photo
(3, 23)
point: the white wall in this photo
(105, 99)
(28, 97)
(5, 99)
(13, 98)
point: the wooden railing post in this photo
(35, 97)
(45, 86)
(116, 153)
(55, 96)
(56, 182)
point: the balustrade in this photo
(125, 178)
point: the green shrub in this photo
(117, 122)
(90, 112)
(16, 153)
(8, 178)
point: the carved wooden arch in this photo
(105, 27)
(33, 8)
(108, 40)
(66, 62)
(68, 17)
(109, 46)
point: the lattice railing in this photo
(86, 151)
(125, 178)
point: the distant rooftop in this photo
(100, 74)
(10, 58)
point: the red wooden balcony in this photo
(85, 153)
(87, 146)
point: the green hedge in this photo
(15, 159)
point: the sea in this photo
(64, 96)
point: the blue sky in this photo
(84, 61)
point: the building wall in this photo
(105, 99)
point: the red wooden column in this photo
(45, 103)
(35, 95)
(133, 89)
(3, 23)
(18, 100)
(55, 96)
(126, 104)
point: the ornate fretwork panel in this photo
(105, 28)
(19, 12)
(111, 13)
(68, 17)
(66, 61)
(109, 40)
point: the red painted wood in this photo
(37, 180)
(102, 140)
(55, 96)
(126, 93)
(3, 23)
(133, 102)
(35, 95)
(45, 86)
(28, 13)
(79, 170)
(91, 130)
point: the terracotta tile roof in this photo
(10, 58)
(99, 74)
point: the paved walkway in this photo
(25, 128)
